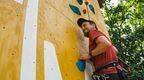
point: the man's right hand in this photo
(84, 56)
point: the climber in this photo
(101, 52)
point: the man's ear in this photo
(93, 25)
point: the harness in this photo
(100, 77)
(97, 76)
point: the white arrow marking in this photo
(28, 61)
(88, 71)
(19, 1)
(52, 71)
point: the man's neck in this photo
(93, 28)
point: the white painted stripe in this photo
(86, 76)
(52, 71)
(19, 1)
(88, 70)
(28, 61)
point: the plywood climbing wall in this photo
(41, 36)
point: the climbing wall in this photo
(11, 34)
(40, 38)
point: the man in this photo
(101, 52)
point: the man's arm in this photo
(102, 45)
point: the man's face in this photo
(86, 28)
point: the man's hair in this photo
(80, 21)
(92, 23)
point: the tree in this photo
(126, 28)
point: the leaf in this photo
(92, 8)
(80, 2)
(75, 9)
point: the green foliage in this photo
(126, 28)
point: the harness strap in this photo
(96, 76)
(114, 64)
(100, 77)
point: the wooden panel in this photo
(56, 24)
(11, 31)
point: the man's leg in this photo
(119, 76)
(113, 77)
(123, 75)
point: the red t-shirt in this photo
(104, 58)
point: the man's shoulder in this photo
(96, 32)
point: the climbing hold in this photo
(81, 65)
(80, 2)
(86, 3)
(84, 11)
(75, 9)
(92, 8)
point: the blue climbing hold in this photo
(75, 9)
(80, 2)
(81, 65)
(92, 8)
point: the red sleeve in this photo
(95, 34)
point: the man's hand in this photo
(84, 56)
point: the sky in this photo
(115, 2)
